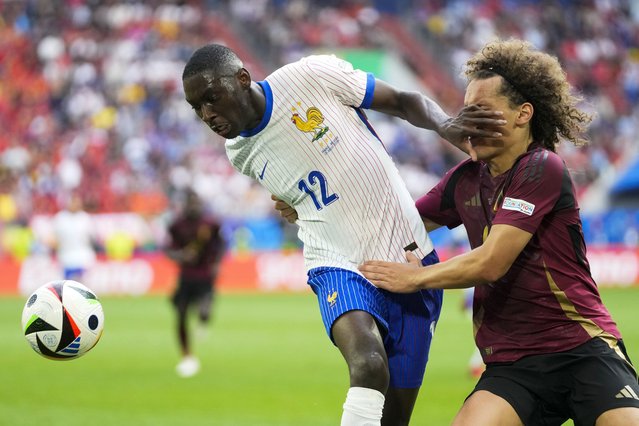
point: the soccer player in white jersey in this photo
(303, 135)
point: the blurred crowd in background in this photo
(91, 98)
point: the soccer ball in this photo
(62, 320)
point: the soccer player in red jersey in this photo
(197, 246)
(552, 350)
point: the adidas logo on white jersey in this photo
(627, 392)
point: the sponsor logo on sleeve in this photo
(518, 205)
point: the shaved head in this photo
(218, 59)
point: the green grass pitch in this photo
(265, 361)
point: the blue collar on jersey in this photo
(268, 110)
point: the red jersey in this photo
(547, 302)
(203, 237)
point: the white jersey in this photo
(315, 149)
(73, 231)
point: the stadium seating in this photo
(91, 100)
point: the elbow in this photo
(492, 271)
(490, 276)
(407, 102)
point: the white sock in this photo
(363, 407)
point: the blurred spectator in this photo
(74, 239)
(597, 43)
(17, 239)
(119, 246)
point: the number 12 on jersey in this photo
(315, 178)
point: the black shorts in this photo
(580, 384)
(191, 291)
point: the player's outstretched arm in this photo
(484, 264)
(421, 111)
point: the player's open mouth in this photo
(222, 129)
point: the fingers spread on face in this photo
(480, 121)
(483, 113)
(470, 149)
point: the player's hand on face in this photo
(286, 211)
(472, 121)
(391, 276)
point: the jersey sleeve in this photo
(438, 205)
(353, 87)
(534, 191)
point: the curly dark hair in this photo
(536, 77)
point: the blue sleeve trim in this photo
(370, 89)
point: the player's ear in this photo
(525, 114)
(244, 77)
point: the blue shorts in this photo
(73, 273)
(407, 320)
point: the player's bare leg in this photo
(357, 336)
(483, 408)
(204, 307)
(189, 364)
(399, 406)
(625, 416)
(204, 315)
(181, 310)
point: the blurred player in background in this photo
(303, 135)
(552, 350)
(75, 239)
(197, 246)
